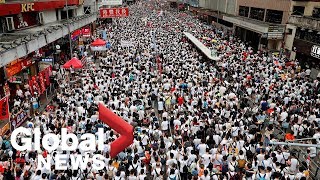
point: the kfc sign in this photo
(114, 12)
(315, 51)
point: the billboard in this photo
(114, 12)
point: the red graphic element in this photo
(114, 12)
(119, 125)
(4, 107)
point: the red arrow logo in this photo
(122, 127)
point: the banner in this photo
(114, 12)
(18, 120)
(42, 83)
(4, 106)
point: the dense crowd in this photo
(197, 119)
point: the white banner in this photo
(111, 2)
(126, 43)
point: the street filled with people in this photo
(193, 118)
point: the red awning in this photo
(98, 42)
(74, 63)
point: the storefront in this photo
(18, 73)
(258, 34)
(307, 53)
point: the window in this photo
(289, 31)
(64, 14)
(308, 35)
(87, 10)
(316, 12)
(257, 13)
(274, 16)
(298, 10)
(10, 23)
(243, 11)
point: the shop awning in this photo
(74, 63)
(98, 42)
(201, 46)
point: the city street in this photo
(157, 90)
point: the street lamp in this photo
(69, 33)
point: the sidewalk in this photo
(5, 126)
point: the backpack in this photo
(234, 177)
(249, 153)
(156, 135)
(241, 163)
(261, 177)
(110, 172)
(175, 178)
(224, 167)
(185, 169)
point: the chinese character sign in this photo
(114, 12)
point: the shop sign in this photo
(27, 7)
(15, 79)
(47, 59)
(5, 129)
(17, 67)
(315, 51)
(86, 32)
(18, 120)
(114, 12)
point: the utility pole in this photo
(69, 33)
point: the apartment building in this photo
(303, 32)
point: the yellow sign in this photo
(27, 7)
(2, 1)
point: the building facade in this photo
(260, 23)
(303, 32)
(32, 34)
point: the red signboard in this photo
(16, 8)
(86, 32)
(114, 12)
(17, 67)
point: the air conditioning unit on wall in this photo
(10, 23)
(40, 18)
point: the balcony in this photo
(305, 22)
(18, 44)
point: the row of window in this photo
(299, 11)
(267, 15)
(308, 35)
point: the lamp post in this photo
(69, 33)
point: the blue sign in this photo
(108, 45)
(47, 59)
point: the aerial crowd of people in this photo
(193, 118)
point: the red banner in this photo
(34, 86)
(4, 107)
(114, 12)
(42, 83)
(47, 75)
